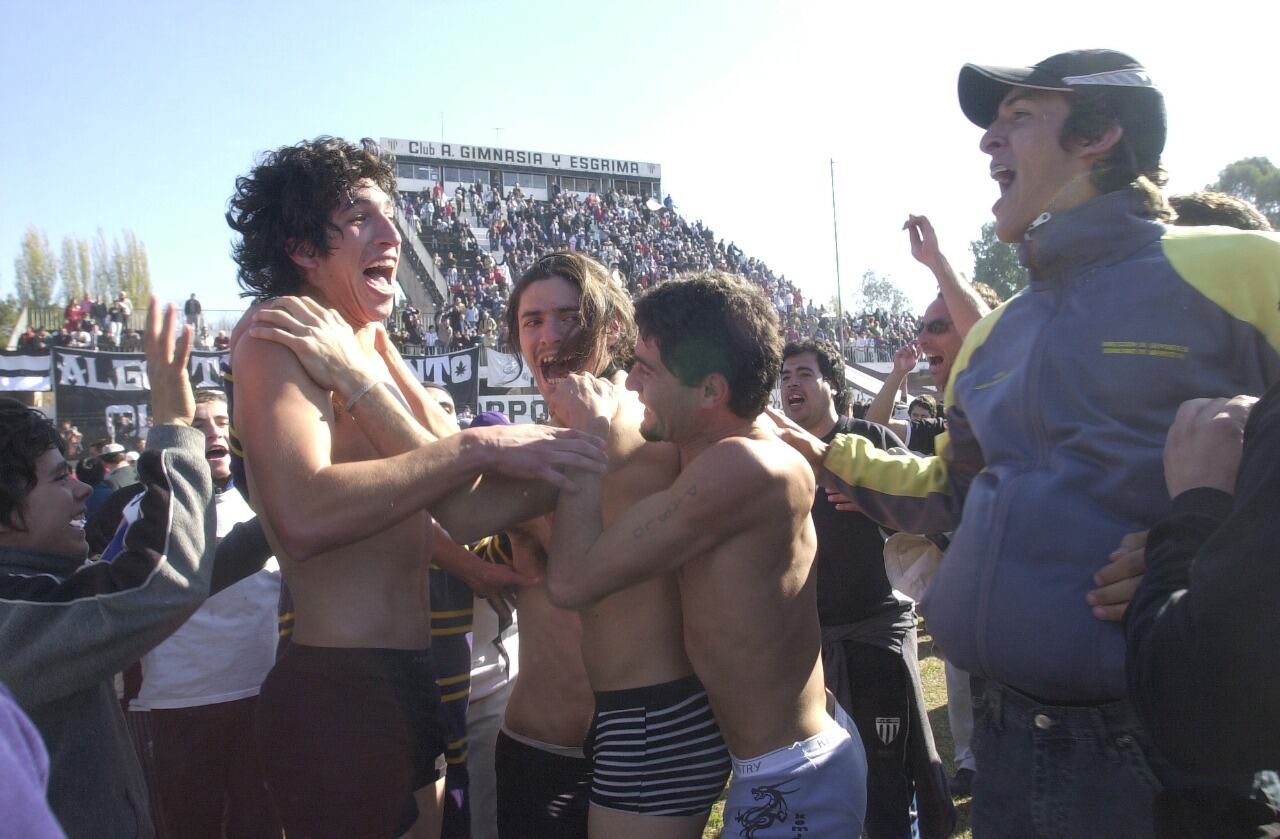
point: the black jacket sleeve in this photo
(1202, 652)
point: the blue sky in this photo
(142, 114)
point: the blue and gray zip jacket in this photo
(1058, 407)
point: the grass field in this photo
(935, 696)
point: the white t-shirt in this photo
(488, 671)
(223, 651)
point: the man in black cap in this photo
(1057, 408)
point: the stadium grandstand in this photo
(473, 218)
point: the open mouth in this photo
(553, 369)
(1003, 176)
(794, 401)
(380, 275)
(216, 452)
(933, 360)
(77, 522)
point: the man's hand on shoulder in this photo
(171, 398)
(323, 342)
(810, 448)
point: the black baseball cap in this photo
(1141, 104)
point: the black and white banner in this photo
(24, 371)
(92, 388)
(98, 390)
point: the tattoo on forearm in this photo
(665, 514)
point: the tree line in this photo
(95, 267)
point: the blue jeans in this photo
(1051, 772)
(1062, 772)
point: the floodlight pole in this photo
(835, 231)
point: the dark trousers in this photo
(881, 707)
(540, 795)
(205, 775)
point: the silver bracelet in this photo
(355, 397)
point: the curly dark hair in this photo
(830, 364)
(285, 203)
(608, 321)
(25, 435)
(925, 401)
(715, 322)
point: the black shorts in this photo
(541, 794)
(347, 736)
(657, 751)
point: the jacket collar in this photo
(40, 563)
(1100, 232)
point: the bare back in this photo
(750, 608)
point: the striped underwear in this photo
(656, 750)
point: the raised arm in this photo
(62, 634)
(963, 303)
(881, 408)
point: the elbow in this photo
(459, 526)
(300, 538)
(564, 594)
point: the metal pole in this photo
(835, 230)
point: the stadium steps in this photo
(422, 283)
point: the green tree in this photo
(36, 269)
(76, 272)
(9, 311)
(1256, 180)
(882, 293)
(996, 263)
(134, 273)
(103, 270)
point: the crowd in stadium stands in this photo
(94, 325)
(643, 241)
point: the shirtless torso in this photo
(735, 525)
(632, 642)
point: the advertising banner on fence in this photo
(101, 392)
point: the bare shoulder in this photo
(758, 464)
(272, 387)
(655, 465)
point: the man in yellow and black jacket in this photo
(1057, 410)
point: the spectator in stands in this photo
(71, 437)
(93, 474)
(193, 312)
